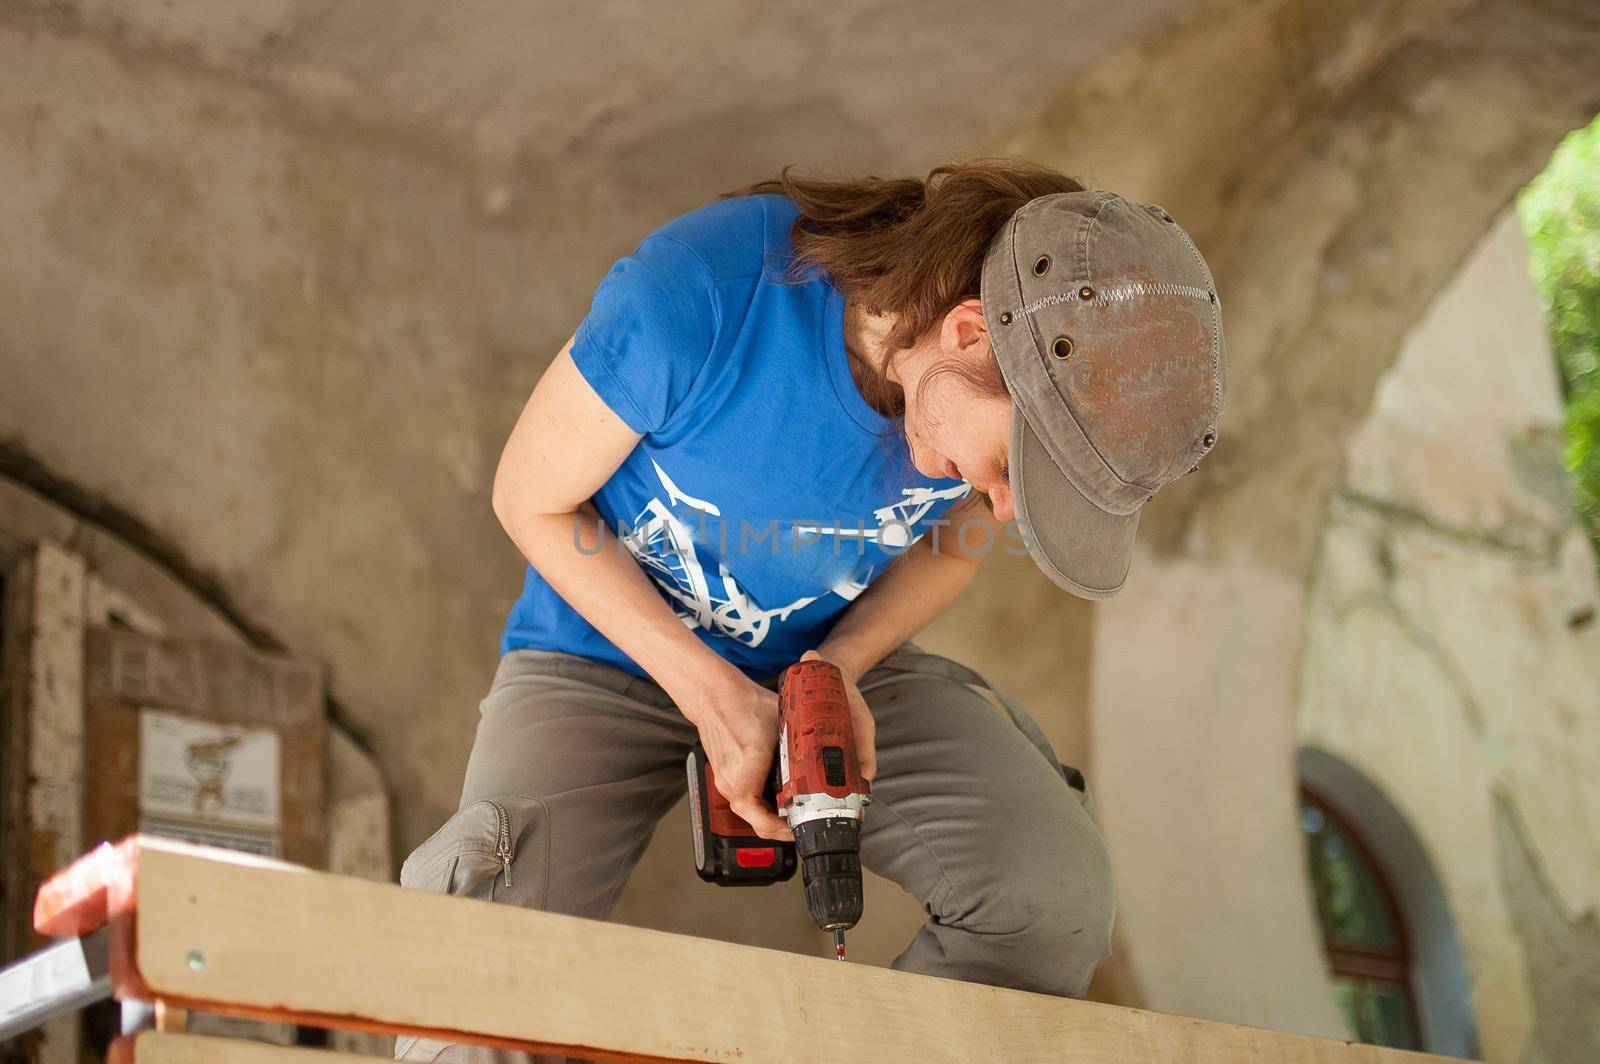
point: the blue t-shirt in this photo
(766, 493)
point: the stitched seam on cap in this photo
(1216, 331)
(1124, 292)
(1120, 294)
(1029, 309)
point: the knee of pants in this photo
(1047, 918)
(495, 849)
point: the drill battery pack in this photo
(727, 851)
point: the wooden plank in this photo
(156, 1047)
(264, 939)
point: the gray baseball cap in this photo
(1108, 330)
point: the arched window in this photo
(1363, 934)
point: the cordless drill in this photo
(816, 786)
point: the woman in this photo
(805, 411)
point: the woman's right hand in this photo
(738, 724)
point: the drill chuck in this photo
(830, 866)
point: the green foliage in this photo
(1560, 212)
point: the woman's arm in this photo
(566, 444)
(917, 588)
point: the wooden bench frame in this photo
(215, 931)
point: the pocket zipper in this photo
(502, 848)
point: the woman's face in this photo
(957, 420)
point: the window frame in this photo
(1352, 961)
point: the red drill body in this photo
(816, 787)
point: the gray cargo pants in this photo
(575, 762)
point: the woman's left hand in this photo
(861, 722)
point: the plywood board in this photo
(261, 938)
(155, 1047)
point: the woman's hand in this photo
(861, 722)
(738, 724)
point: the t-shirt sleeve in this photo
(649, 332)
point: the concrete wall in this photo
(1452, 655)
(277, 284)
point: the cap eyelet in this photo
(1208, 439)
(1041, 265)
(1086, 293)
(1062, 348)
(1005, 317)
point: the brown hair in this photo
(909, 247)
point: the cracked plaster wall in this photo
(1448, 658)
(277, 282)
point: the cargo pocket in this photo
(496, 849)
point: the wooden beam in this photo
(220, 932)
(154, 1047)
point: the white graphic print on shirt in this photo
(664, 544)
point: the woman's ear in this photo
(963, 332)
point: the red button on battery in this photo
(762, 858)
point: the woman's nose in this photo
(1000, 502)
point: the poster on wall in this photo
(210, 783)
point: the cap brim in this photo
(1079, 546)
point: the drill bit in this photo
(838, 945)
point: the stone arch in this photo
(146, 584)
(1337, 164)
